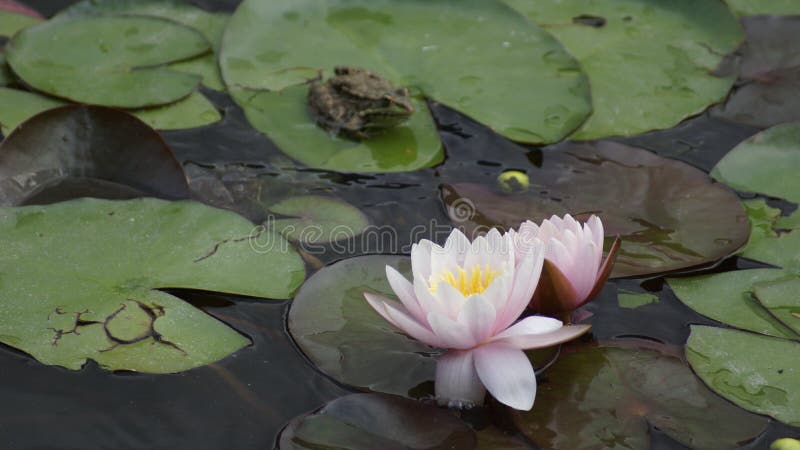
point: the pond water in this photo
(245, 400)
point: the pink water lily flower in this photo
(466, 298)
(574, 271)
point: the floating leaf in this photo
(107, 60)
(374, 421)
(767, 163)
(727, 297)
(477, 56)
(791, 222)
(6, 76)
(79, 280)
(767, 245)
(18, 106)
(758, 373)
(753, 7)
(346, 339)
(283, 116)
(605, 397)
(782, 299)
(19, 8)
(87, 141)
(317, 219)
(649, 62)
(212, 25)
(670, 215)
(770, 74)
(12, 21)
(493, 438)
(633, 300)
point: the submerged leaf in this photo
(316, 219)
(79, 280)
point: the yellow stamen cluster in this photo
(468, 283)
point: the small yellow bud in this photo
(785, 444)
(513, 181)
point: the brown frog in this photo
(358, 104)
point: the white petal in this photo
(507, 374)
(529, 334)
(405, 292)
(457, 383)
(450, 300)
(402, 320)
(458, 244)
(478, 316)
(451, 333)
(421, 259)
(596, 225)
(526, 278)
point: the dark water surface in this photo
(244, 400)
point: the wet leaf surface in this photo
(17, 106)
(770, 73)
(283, 116)
(478, 57)
(754, 7)
(649, 62)
(773, 239)
(782, 299)
(670, 215)
(604, 398)
(107, 60)
(633, 300)
(758, 373)
(66, 299)
(374, 421)
(727, 297)
(317, 219)
(87, 141)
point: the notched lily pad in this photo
(649, 62)
(758, 373)
(87, 142)
(605, 397)
(476, 56)
(773, 238)
(316, 219)
(669, 215)
(107, 60)
(65, 298)
(374, 421)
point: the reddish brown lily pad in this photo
(606, 397)
(78, 151)
(669, 214)
(19, 8)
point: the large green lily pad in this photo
(211, 25)
(669, 215)
(87, 142)
(605, 397)
(649, 62)
(773, 238)
(782, 299)
(107, 60)
(727, 297)
(758, 373)
(767, 163)
(346, 339)
(476, 56)
(316, 219)
(78, 281)
(17, 106)
(754, 7)
(13, 21)
(770, 74)
(374, 421)
(283, 117)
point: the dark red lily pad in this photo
(78, 151)
(769, 82)
(16, 7)
(606, 397)
(375, 421)
(669, 214)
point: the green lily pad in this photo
(11, 22)
(758, 373)
(727, 297)
(770, 74)
(317, 219)
(346, 339)
(17, 106)
(790, 222)
(212, 25)
(87, 142)
(779, 248)
(767, 163)
(649, 62)
(757, 7)
(669, 214)
(374, 421)
(605, 397)
(65, 298)
(782, 299)
(476, 56)
(107, 60)
(633, 300)
(284, 118)
(6, 76)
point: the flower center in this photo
(471, 282)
